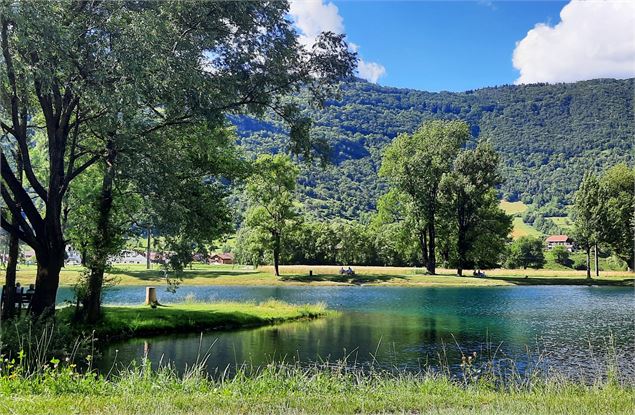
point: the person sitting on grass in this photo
(350, 271)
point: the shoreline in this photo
(307, 276)
(129, 322)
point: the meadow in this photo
(291, 389)
(201, 274)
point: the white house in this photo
(128, 256)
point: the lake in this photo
(565, 328)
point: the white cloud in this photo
(371, 71)
(594, 39)
(312, 17)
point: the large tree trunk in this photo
(8, 309)
(47, 280)
(588, 262)
(597, 260)
(461, 248)
(92, 302)
(432, 262)
(276, 254)
(149, 239)
(423, 244)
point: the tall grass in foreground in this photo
(285, 388)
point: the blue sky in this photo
(460, 45)
(443, 45)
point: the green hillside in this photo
(548, 135)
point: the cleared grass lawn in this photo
(522, 229)
(513, 208)
(329, 275)
(562, 221)
(280, 390)
(191, 317)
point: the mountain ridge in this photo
(547, 135)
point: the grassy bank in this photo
(131, 321)
(293, 390)
(329, 275)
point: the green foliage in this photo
(273, 208)
(415, 166)
(561, 255)
(104, 87)
(587, 212)
(476, 228)
(548, 136)
(526, 252)
(617, 186)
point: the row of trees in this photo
(442, 202)
(603, 215)
(107, 124)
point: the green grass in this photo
(522, 229)
(562, 221)
(130, 321)
(329, 275)
(296, 390)
(513, 208)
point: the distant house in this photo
(73, 257)
(218, 259)
(560, 240)
(129, 257)
(29, 256)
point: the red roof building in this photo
(224, 258)
(560, 240)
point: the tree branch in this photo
(20, 194)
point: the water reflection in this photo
(407, 327)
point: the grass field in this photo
(513, 208)
(296, 390)
(329, 275)
(562, 221)
(522, 229)
(133, 321)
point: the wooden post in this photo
(151, 295)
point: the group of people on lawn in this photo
(348, 271)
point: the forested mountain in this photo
(547, 135)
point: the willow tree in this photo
(415, 164)
(96, 75)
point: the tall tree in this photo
(526, 252)
(271, 192)
(76, 66)
(415, 164)
(469, 196)
(617, 186)
(586, 213)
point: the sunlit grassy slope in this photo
(520, 228)
(513, 208)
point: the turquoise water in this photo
(561, 327)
